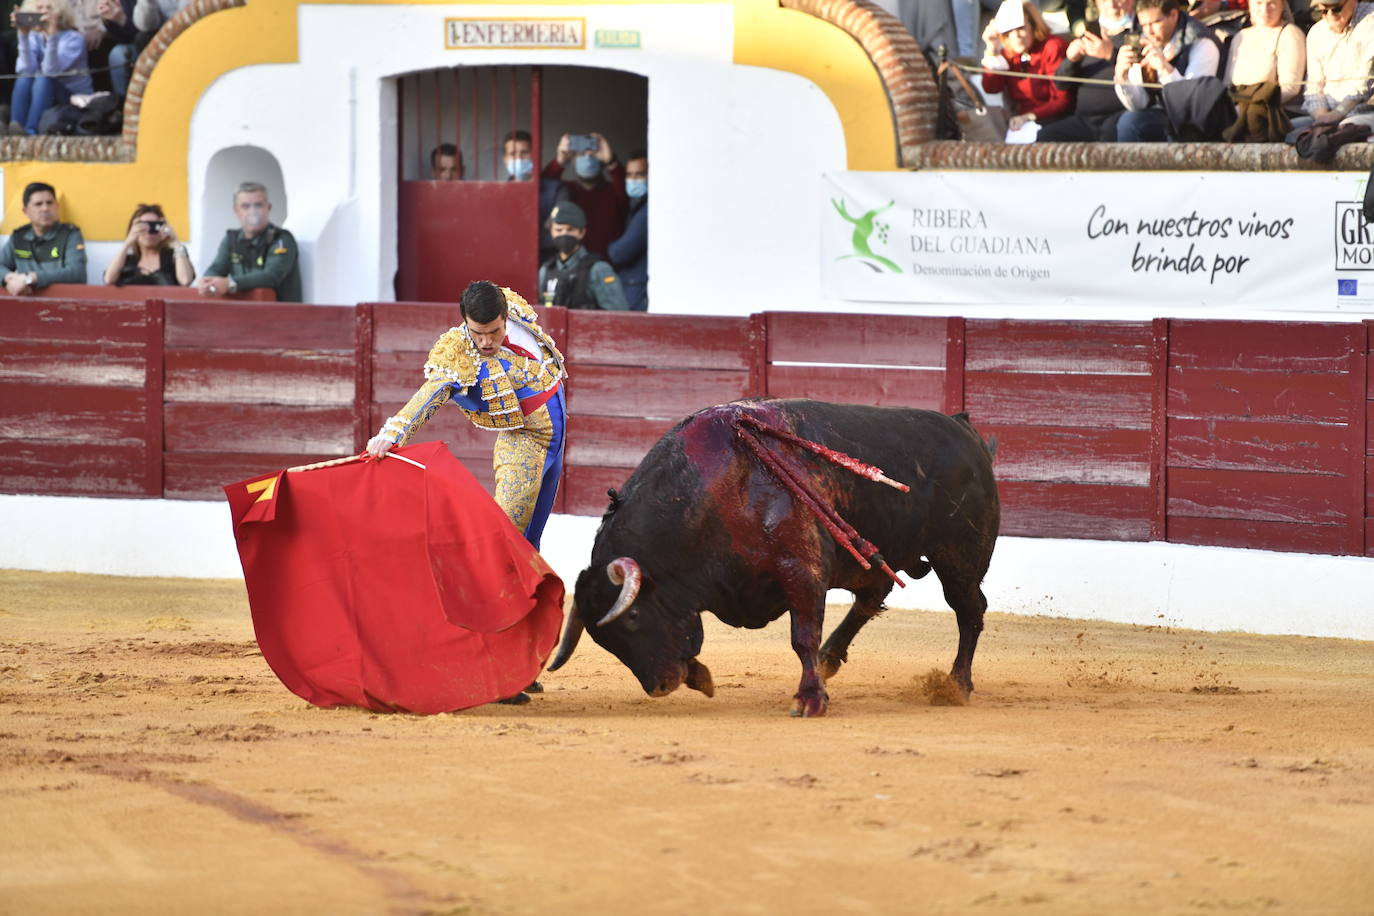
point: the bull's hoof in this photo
(828, 666)
(807, 707)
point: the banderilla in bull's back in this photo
(759, 507)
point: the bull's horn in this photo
(622, 571)
(571, 634)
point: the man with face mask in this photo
(518, 147)
(575, 277)
(256, 255)
(630, 252)
(598, 186)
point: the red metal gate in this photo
(484, 227)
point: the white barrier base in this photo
(1202, 588)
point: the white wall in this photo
(737, 150)
(1205, 588)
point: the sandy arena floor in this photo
(151, 763)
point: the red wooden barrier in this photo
(631, 378)
(252, 387)
(1070, 405)
(80, 401)
(1251, 434)
(1266, 439)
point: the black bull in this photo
(702, 524)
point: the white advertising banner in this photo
(1267, 240)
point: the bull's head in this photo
(657, 643)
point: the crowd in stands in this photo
(1161, 70)
(65, 65)
(593, 214)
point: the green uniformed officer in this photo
(574, 277)
(257, 255)
(45, 250)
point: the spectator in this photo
(51, 67)
(44, 250)
(9, 55)
(446, 163)
(598, 189)
(1271, 50)
(152, 254)
(575, 277)
(1338, 52)
(149, 15)
(1018, 41)
(1173, 47)
(630, 252)
(118, 47)
(1092, 55)
(518, 147)
(257, 255)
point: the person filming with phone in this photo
(1092, 55)
(598, 186)
(152, 254)
(52, 62)
(1172, 46)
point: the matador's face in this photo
(487, 336)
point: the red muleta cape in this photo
(391, 587)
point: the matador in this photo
(504, 371)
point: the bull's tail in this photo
(989, 443)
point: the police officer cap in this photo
(568, 213)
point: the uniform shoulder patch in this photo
(281, 250)
(608, 279)
(80, 246)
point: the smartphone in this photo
(1133, 42)
(28, 20)
(578, 143)
(1092, 26)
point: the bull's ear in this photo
(614, 498)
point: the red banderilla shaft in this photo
(848, 462)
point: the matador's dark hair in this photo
(483, 302)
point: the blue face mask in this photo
(587, 165)
(520, 169)
(636, 187)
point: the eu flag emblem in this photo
(1347, 287)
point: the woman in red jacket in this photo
(1018, 41)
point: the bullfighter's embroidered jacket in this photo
(490, 390)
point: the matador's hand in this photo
(378, 446)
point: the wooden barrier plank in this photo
(52, 319)
(396, 375)
(1288, 346)
(154, 383)
(411, 325)
(1068, 510)
(1071, 454)
(623, 391)
(1056, 399)
(1357, 432)
(1369, 490)
(73, 362)
(1258, 535)
(612, 442)
(73, 413)
(660, 341)
(68, 468)
(956, 352)
(1095, 347)
(362, 377)
(584, 488)
(259, 326)
(1258, 445)
(865, 340)
(1369, 537)
(1271, 497)
(255, 428)
(1369, 376)
(305, 378)
(1159, 426)
(1248, 394)
(855, 385)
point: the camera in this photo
(25, 20)
(582, 143)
